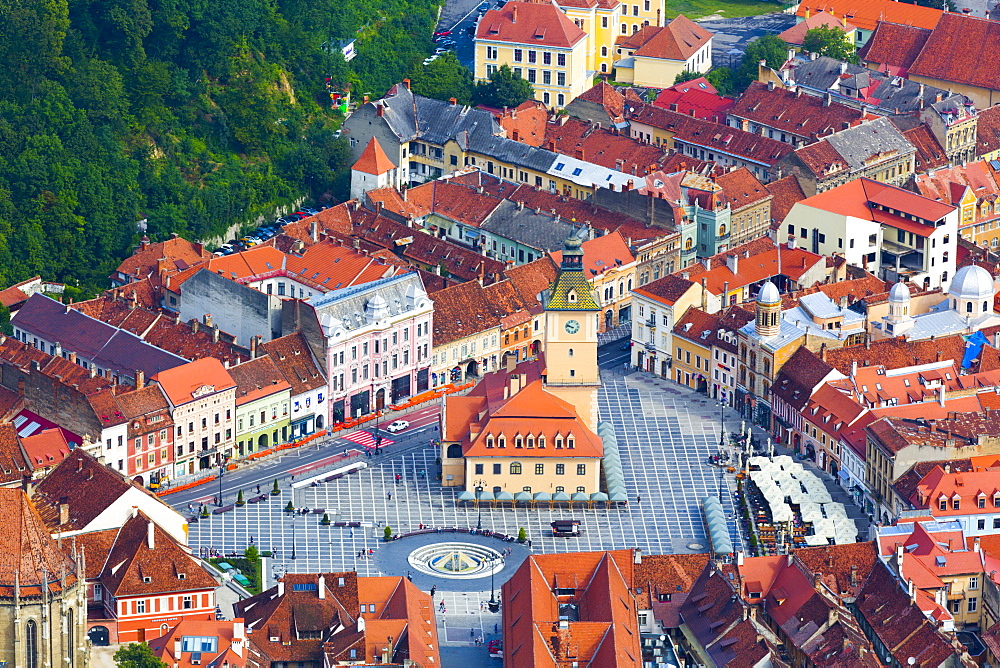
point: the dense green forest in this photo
(192, 114)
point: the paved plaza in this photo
(665, 435)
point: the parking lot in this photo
(733, 35)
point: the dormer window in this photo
(981, 501)
(518, 441)
(531, 441)
(541, 440)
(489, 440)
(559, 444)
(956, 502)
(571, 295)
(996, 499)
(943, 503)
(570, 442)
(502, 441)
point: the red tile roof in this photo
(373, 159)
(174, 254)
(227, 632)
(608, 251)
(526, 123)
(30, 560)
(794, 112)
(668, 289)
(692, 100)
(742, 188)
(799, 376)
(929, 154)
(294, 359)
(529, 22)
(988, 130)
(133, 567)
(600, 146)
(257, 379)
(678, 40)
(947, 55)
(785, 192)
(758, 260)
(949, 185)
(607, 96)
(45, 448)
(894, 47)
(867, 14)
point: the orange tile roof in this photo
(601, 146)
(785, 192)
(534, 412)
(226, 631)
(373, 159)
(797, 32)
(866, 14)
(795, 262)
(894, 46)
(678, 40)
(856, 198)
(529, 22)
(526, 123)
(929, 153)
(174, 254)
(607, 96)
(792, 111)
(601, 253)
(742, 188)
(293, 357)
(180, 383)
(668, 289)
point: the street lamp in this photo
(494, 604)
(222, 470)
(293, 537)
(479, 484)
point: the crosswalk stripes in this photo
(366, 439)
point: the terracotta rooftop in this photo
(526, 123)
(797, 32)
(660, 574)
(867, 14)
(600, 146)
(668, 289)
(929, 154)
(373, 159)
(860, 197)
(30, 560)
(13, 466)
(758, 260)
(697, 98)
(294, 359)
(897, 353)
(799, 377)
(894, 46)
(45, 448)
(945, 57)
(225, 632)
(257, 379)
(677, 40)
(742, 188)
(189, 381)
(785, 193)
(87, 486)
(794, 112)
(529, 22)
(607, 96)
(146, 560)
(988, 130)
(172, 255)
(608, 251)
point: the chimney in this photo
(937, 98)
(452, 101)
(140, 379)
(733, 262)
(177, 646)
(150, 529)
(770, 85)
(207, 318)
(406, 82)
(72, 356)
(739, 558)
(791, 242)
(827, 100)
(854, 575)
(322, 587)
(58, 350)
(281, 587)
(215, 334)
(253, 347)
(513, 14)
(194, 326)
(379, 110)
(63, 510)
(581, 154)
(725, 292)
(817, 580)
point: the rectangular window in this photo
(561, 59)
(140, 607)
(539, 469)
(518, 55)
(546, 58)
(547, 80)
(187, 604)
(496, 469)
(532, 56)
(560, 469)
(479, 469)
(531, 75)
(973, 604)
(561, 78)
(581, 469)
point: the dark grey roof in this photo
(108, 347)
(536, 229)
(417, 117)
(341, 311)
(513, 152)
(826, 75)
(858, 144)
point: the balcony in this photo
(688, 254)
(650, 322)
(650, 345)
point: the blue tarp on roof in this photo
(973, 346)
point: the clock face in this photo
(572, 326)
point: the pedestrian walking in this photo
(496, 628)
(397, 478)
(258, 489)
(482, 606)
(388, 496)
(371, 552)
(638, 498)
(529, 544)
(433, 590)
(442, 604)
(472, 634)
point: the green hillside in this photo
(193, 114)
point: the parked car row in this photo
(263, 233)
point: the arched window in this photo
(31, 644)
(621, 288)
(454, 451)
(570, 352)
(71, 636)
(604, 51)
(722, 230)
(515, 468)
(630, 284)
(986, 307)
(968, 307)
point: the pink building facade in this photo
(378, 343)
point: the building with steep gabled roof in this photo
(215, 644)
(143, 581)
(340, 619)
(153, 258)
(263, 405)
(580, 609)
(653, 56)
(43, 607)
(373, 170)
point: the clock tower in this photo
(571, 322)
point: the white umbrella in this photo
(834, 510)
(820, 496)
(824, 527)
(795, 468)
(810, 511)
(813, 540)
(783, 460)
(780, 512)
(841, 539)
(757, 460)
